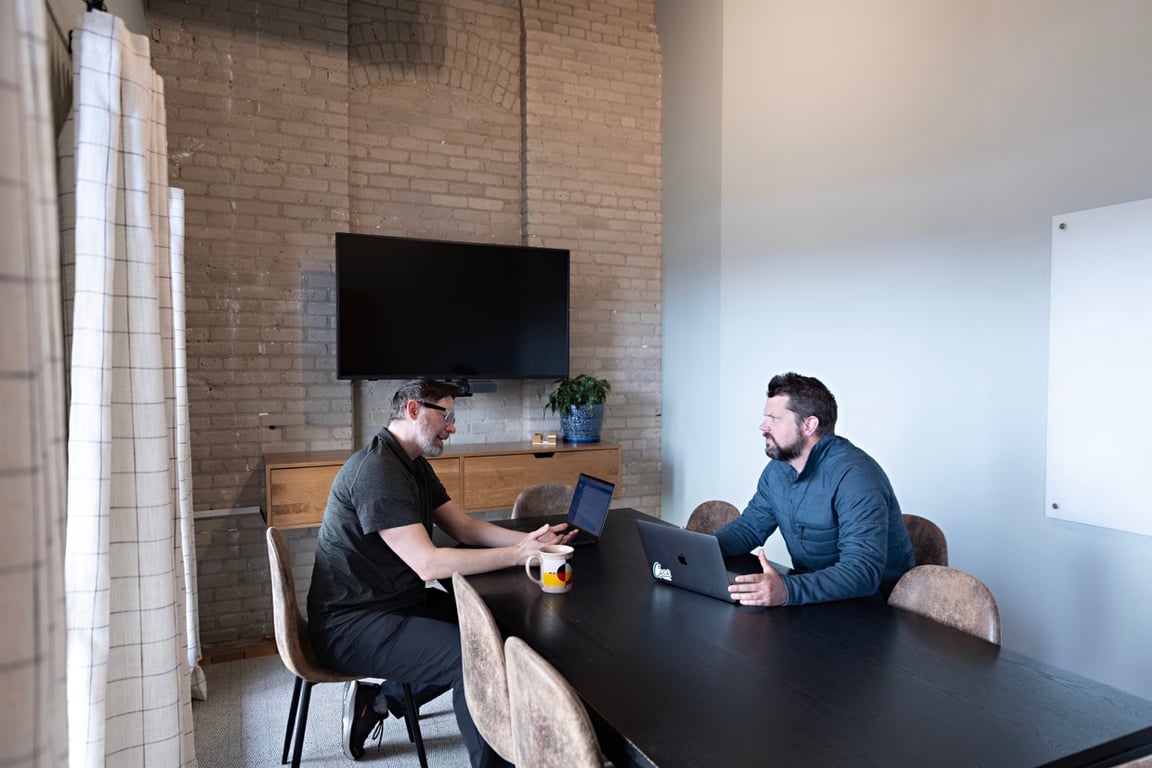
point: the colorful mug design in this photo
(555, 568)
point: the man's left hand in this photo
(557, 535)
(760, 588)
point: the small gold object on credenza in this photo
(539, 438)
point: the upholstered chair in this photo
(709, 516)
(928, 541)
(485, 676)
(550, 726)
(950, 597)
(543, 499)
(295, 648)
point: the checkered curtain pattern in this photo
(129, 566)
(32, 670)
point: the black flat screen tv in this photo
(408, 308)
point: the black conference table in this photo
(677, 679)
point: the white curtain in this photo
(32, 396)
(129, 559)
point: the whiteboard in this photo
(1099, 460)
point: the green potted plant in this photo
(580, 402)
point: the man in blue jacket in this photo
(832, 503)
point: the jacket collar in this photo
(815, 456)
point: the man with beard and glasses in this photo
(375, 607)
(832, 503)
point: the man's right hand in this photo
(764, 589)
(545, 534)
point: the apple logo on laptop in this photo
(683, 560)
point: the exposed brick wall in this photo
(257, 98)
(235, 588)
(435, 107)
(533, 122)
(592, 175)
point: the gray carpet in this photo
(242, 723)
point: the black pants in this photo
(421, 648)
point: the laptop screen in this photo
(590, 502)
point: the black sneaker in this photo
(359, 717)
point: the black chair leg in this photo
(301, 724)
(290, 728)
(412, 720)
(298, 723)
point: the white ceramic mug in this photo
(555, 568)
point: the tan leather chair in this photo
(950, 597)
(543, 499)
(928, 541)
(295, 648)
(550, 726)
(485, 675)
(709, 516)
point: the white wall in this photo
(691, 253)
(888, 175)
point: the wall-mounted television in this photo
(408, 307)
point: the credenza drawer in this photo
(447, 468)
(493, 482)
(477, 477)
(297, 495)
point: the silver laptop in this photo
(589, 509)
(686, 559)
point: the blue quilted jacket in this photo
(839, 518)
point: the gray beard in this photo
(428, 446)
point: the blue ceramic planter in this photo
(582, 424)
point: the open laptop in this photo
(688, 559)
(589, 509)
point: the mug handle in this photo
(528, 568)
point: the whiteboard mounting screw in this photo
(1063, 225)
(1055, 505)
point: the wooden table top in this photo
(686, 680)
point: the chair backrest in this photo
(543, 499)
(928, 541)
(709, 516)
(550, 726)
(485, 675)
(950, 597)
(292, 639)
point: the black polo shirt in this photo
(378, 488)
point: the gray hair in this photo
(429, 390)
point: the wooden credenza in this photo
(485, 476)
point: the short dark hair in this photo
(421, 389)
(807, 396)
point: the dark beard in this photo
(778, 452)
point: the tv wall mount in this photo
(467, 388)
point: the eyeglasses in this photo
(449, 416)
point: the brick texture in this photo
(531, 123)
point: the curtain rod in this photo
(91, 5)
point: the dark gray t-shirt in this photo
(379, 487)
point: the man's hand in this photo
(557, 535)
(545, 534)
(760, 588)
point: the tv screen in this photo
(407, 308)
